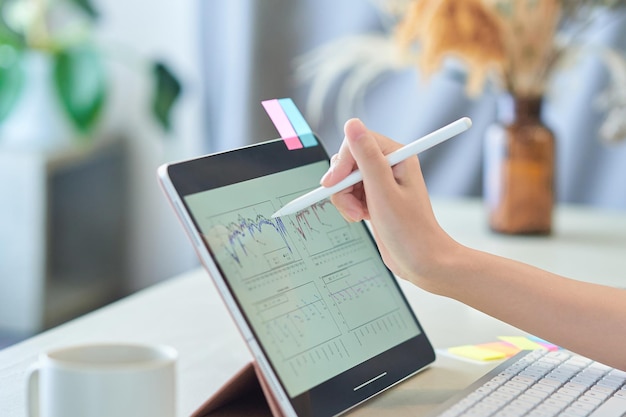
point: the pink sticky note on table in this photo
(280, 120)
(550, 346)
(521, 342)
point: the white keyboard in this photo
(543, 384)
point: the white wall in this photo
(133, 30)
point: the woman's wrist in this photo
(438, 270)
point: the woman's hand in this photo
(573, 314)
(394, 200)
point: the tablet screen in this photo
(311, 285)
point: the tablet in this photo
(321, 314)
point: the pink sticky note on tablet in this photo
(280, 120)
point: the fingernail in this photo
(353, 215)
(326, 175)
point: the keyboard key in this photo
(620, 379)
(590, 400)
(583, 380)
(572, 412)
(549, 388)
(554, 403)
(563, 397)
(576, 386)
(512, 393)
(618, 373)
(563, 356)
(552, 383)
(561, 379)
(516, 385)
(613, 407)
(529, 398)
(602, 388)
(568, 391)
(523, 380)
(610, 383)
(511, 411)
(597, 394)
(539, 393)
(582, 405)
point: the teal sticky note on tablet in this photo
(301, 127)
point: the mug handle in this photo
(32, 395)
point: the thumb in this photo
(377, 174)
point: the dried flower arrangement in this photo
(516, 45)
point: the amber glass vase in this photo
(519, 169)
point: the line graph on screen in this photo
(318, 228)
(249, 242)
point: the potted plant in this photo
(48, 46)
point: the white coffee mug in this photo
(104, 380)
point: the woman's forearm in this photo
(586, 318)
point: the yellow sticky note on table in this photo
(521, 342)
(477, 353)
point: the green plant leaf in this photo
(7, 35)
(11, 79)
(80, 80)
(86, 7)
(166, 92)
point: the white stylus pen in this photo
(413, 148)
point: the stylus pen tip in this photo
(285, 210)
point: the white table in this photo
(186, 312)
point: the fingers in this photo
(370, 158)
(341, 164)
(350, 205)
(366, 150)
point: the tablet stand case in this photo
(245, 394)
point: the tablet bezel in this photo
(347, 389)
